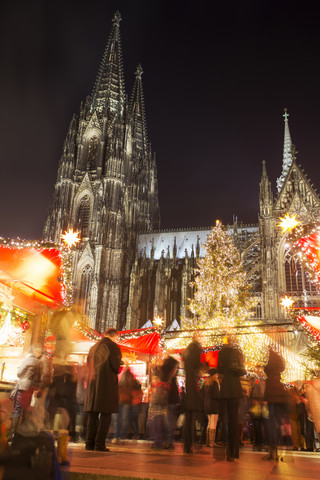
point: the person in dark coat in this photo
(62, 394)
(104, 360)
(168, 373)
(230, 366)
(277, 398)
(193, 400)
(212, 404)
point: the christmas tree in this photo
(222, 295)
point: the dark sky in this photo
(216, 80)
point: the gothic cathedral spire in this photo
(106, 189)
(266, 197)
(137, 113)
(287, 152)
(108, 92)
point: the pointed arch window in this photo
(85, 287)
(92, 151)
(297, 279)
(84, 216)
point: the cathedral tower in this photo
(106, 188)
(282, 274)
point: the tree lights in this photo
(222, 298)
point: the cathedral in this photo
(126, 270)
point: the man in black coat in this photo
(230, 365)
(193, 400)
(101, 400)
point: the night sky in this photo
(216, 80)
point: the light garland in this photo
(87, 332)
(304, 241)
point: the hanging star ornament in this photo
(70, 237)
(131, 357)
(287, 302)
(288, 223)
(158, 321)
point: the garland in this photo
(304, 240)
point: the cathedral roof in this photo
(187, 241)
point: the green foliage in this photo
(313, 355)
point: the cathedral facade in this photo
(126, 271)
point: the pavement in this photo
(134, 460)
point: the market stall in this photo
(32, 286)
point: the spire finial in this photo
(139, 72)
(287, 154)
(116, 18)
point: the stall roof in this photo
(144, 343)
(31, 278)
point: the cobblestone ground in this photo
(132, 460)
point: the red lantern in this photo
(25, 326)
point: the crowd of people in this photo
(223, 407)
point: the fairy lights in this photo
(222, 296)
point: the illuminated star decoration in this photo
(70, 237)
(287, 302)
(158, 321)
(130, 356)
(288, 223)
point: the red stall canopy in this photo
(31, 277)
(148, 343)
